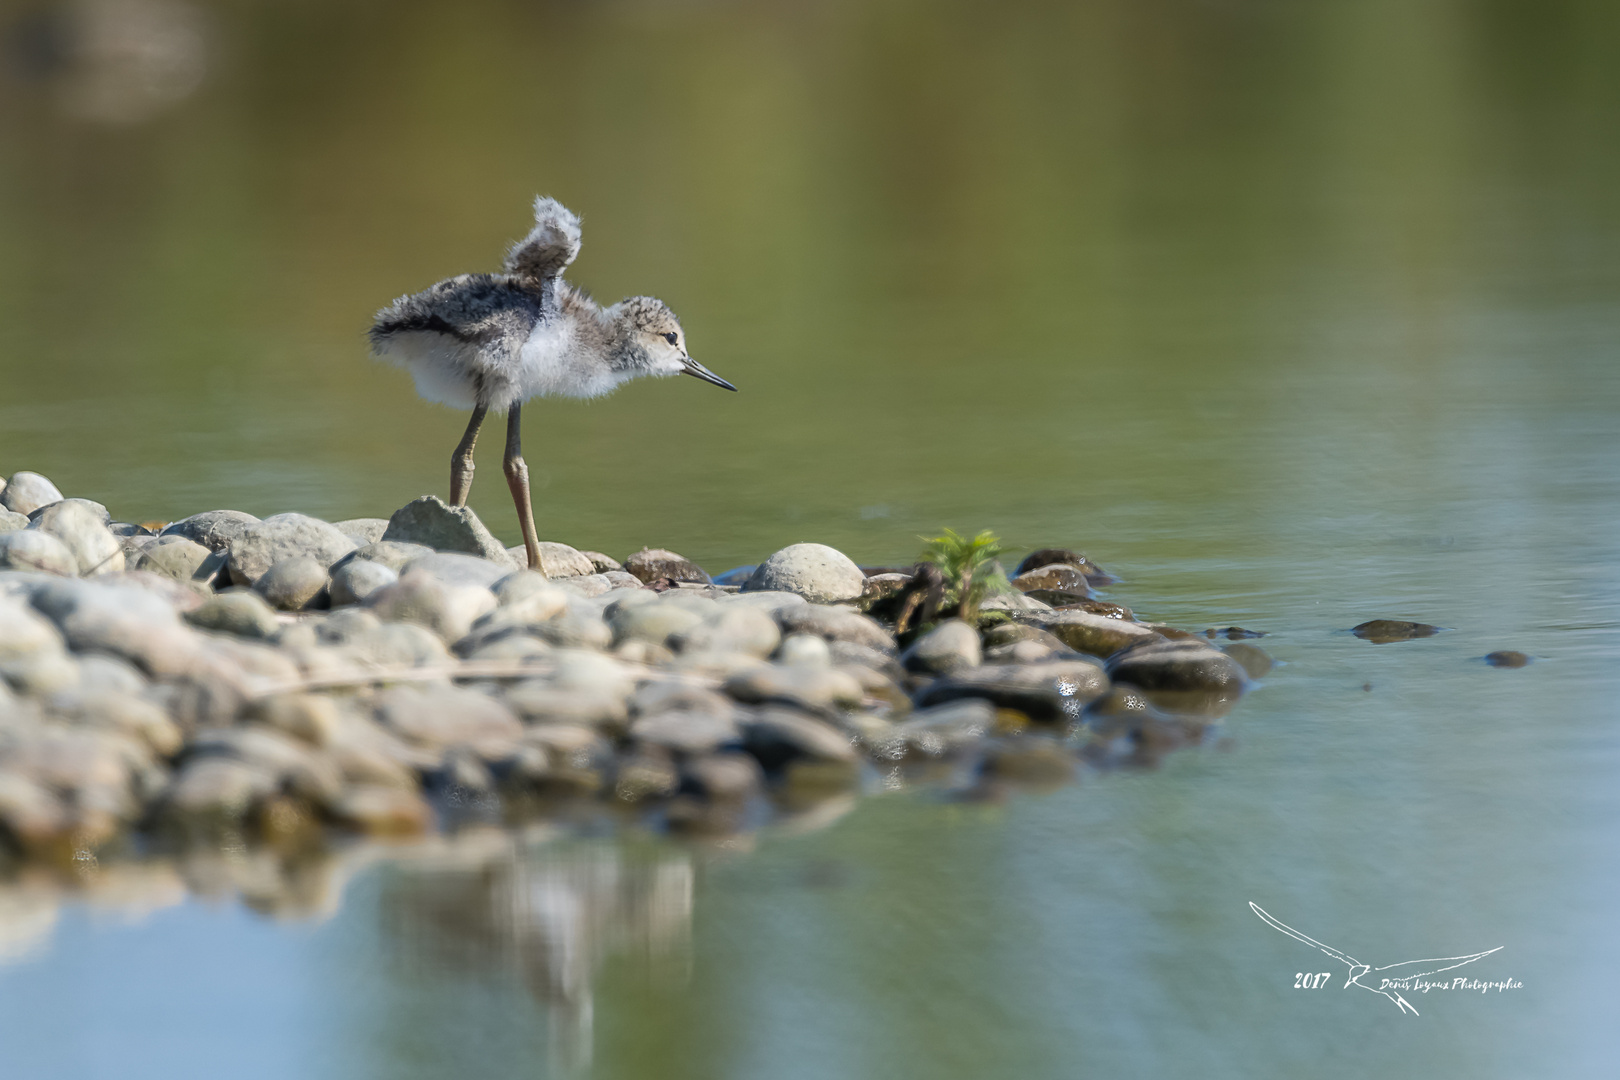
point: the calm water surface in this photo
(1292, 316)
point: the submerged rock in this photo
(434, 523)
(26, 492)
(1507, 658)
(1049, 692)
(1096, 635)
(1187, 675)
(1384, 631)
(820, 574)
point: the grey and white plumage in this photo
(493, 341)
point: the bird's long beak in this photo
(701, 372)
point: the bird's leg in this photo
(517, 478)
(461, 462)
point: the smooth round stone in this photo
(284, 536)
(819, 688)
(686, 731)
(217, 790)
(656, 623)
(732, 629)
(24, 631)
(378, 810)
(362, 531)
(292, 584)
(946, 730)
(546, 703)
(11, 522)
(30, 549)
(1064, 556)
(80, 526)
(1054, 578)
(1189, 667)
(560, 560)
(446, 609)
(602, 563)
(238, 611)
(723, 777)
(26, 492)
(1384, 631)
(835, 624)
(442, 716)
(1502, 658)
(312, 718)
(651, 564)
(804, 650)
(1254, 659)
(519, 586)
(354, 581)
(777, 736)
(179, 559)
(213, 529)
(393, 554)
(454, 568)
(820, 574)
(950, 646)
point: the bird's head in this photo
(657, 340)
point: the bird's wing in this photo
(474, 309)
(550, 246)
(1447, 962)
(1297, 936)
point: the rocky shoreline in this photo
(229, 680)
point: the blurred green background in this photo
(1030, 267)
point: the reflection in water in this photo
(548, 914)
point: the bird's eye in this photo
(670, 338)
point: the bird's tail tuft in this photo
(550, 246)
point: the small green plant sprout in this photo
(969, 568)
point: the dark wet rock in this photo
(83, 531)
(723, 777)
(284, 536)
(178, 560)
(1384, 631)
(213, 529)
(1052, 692)
(393, 554)
(1507, 658)
(362, 531)
(882, 586)
(1095, 574)
(435, 717)
(294, 584)
(1095, 635)
(820, 574)
(26, 492)
(1104, 608)
(1233, 633)
(1256, 663)
(946, 730)
(31, 550)
(434, 523)
(835, 624)
(953, 645)
(1054, 579)
(776, 736)
(1186, 676)
(651, 564)
(446, 609)
(238, 611)
(817, 688)
(643, 775)
(357, 580)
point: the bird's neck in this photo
(624, 352)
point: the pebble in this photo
(213, 529)
(434, 523)
(124, 620)
(1064, 556)
(1050, 692)
(457, 569)
(686, 731)
(383, 811)
(601, 563)
(437, 717)
(835, 624)
(294, 584)
(31, 550)
(946, 730)
(390, 553)
(354, 582)
(418, 597)
(284, 536)
(1507, 658)
(26, 492)
(561, 561)
(953, 645)
(11, 522)
(805, 650)
(820, 574)
(653, 564)
(731, 629)
(1055, 578)
(776, 736)
(656, 622)
(179, 559)
(1209, 678)
(818, 688)
(723, 777)
(237, 611)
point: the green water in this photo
(1291, 315)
